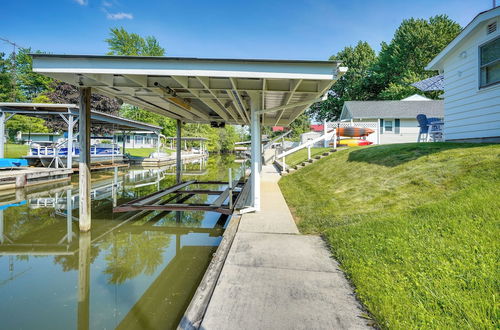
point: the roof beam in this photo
(184, 82)
(324, 87)
(288, 106)
(237, 106)
(240, 99)
(294, 84)
(134, 100)
(143, 81)
(205, 81)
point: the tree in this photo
(68, 94)
(134, 113)
(122, 42)
(300, 125)
(415, 43)
(351, 86)
(8, 90)
(20, 123)
(30, 84)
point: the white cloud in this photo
(107, 4)
(82, 2)
(118, 16)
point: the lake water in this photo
(131, 271)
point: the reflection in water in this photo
(133, 270)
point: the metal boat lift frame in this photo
(180, 191)
(69, 113)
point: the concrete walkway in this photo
(274, 278)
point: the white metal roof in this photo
(199, 90)
(54, 109)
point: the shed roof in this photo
(199, 90)
(391, 109)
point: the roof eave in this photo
(437, 62)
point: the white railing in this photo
(326, 137)
(282, 136)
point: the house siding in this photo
(408, 131)
(470, 112)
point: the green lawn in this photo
(15, 150)
(143, 152)
(301, 156)
(414, 226)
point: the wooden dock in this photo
(99, 167)
(31, 176)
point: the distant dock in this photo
(31, 176)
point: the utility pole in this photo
(14, 65)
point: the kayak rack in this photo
(224, 203)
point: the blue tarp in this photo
(3, 207)
(12, 162)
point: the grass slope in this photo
(143, 152)
(415, 227)
(15, 150)
(301, 155)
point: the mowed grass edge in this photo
(414, 226)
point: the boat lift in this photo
(70, 114)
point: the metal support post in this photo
(159, 142)
(2, 134)
(69, 216)
(69, 158)
(256, 155)
(178, 159)
(84, 163)
(325, 142)
(230, 188)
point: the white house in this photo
(471, 68)
(396, 121)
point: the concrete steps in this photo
(291, 169)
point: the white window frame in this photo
(480, 67)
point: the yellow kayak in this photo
(353, 142)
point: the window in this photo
(397, 126)
(388, 125)
(489, 70)
(139, 139)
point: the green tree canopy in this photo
(20, 123)
(8, 91)
(401, 62)
(389, 75)
(352, 85)
(31, 84)
(122, 42)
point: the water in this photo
(130, 271)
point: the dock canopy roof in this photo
(44, 110)
(200, 90)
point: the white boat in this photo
(50, 155)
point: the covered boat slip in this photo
(216, 91)
(69, 113)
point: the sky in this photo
(293, 29)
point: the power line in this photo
(14, 66)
